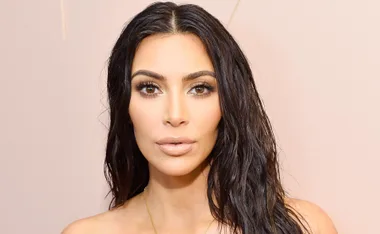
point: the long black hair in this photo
(244, 189)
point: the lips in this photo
(175, 146)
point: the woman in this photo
(190, 148)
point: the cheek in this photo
(143, 116)
(207, 116)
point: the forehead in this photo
(172, 55)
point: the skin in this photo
(170, 106)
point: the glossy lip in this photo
(175, 140)
(175, 146)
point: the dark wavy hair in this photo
(244, 189)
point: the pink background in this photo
(316, 65)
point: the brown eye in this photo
(150, 89)
(199, 89)
(202, 89)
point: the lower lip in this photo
(176, 149)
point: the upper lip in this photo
(173, 140)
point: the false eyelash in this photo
(144, 84)
(205, 85)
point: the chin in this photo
(178, 166)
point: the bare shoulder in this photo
(96, 224)
(117, 221)
(84, 226)
(317, 219)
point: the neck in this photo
(178, 200)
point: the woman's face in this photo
(174, 99)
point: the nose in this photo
(176, 111)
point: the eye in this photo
(202, 89)
(148, 89)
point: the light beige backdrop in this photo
(316, 65)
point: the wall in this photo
(316, 67)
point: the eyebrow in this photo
(188, 77)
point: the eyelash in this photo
(150, 84)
